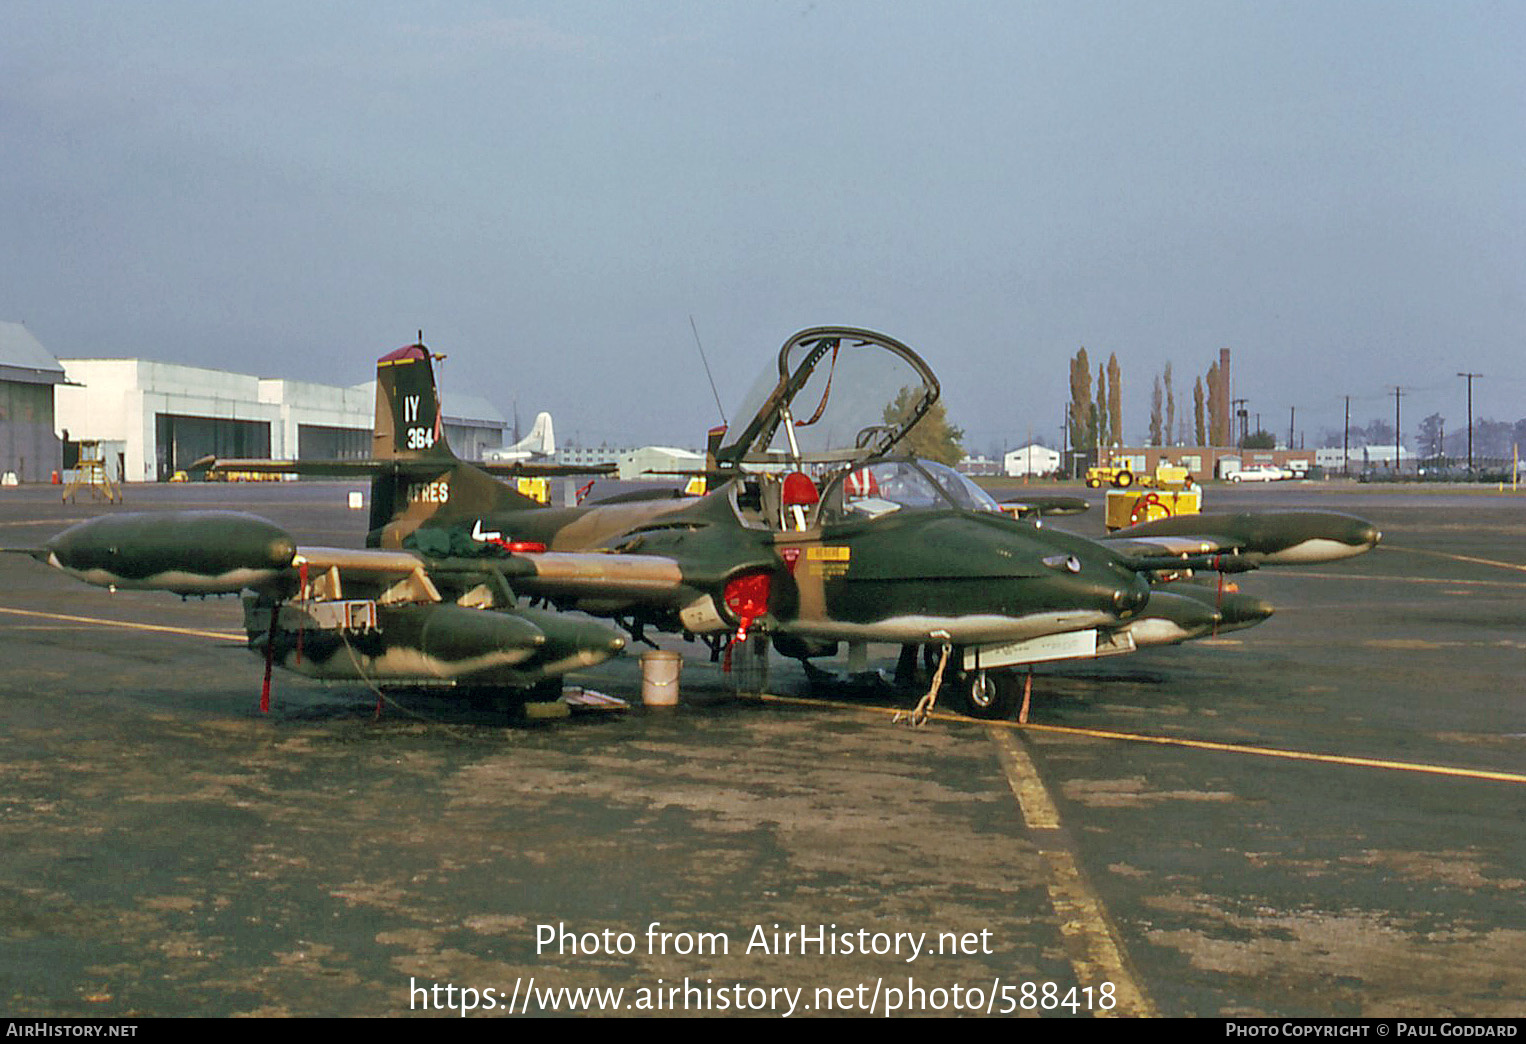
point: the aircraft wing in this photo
(367, 468)
(265, 466)
(406, 575)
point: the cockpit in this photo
(795, 500)
(901, 485)
(822, 420)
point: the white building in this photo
(153, 419)
(641, 463)
(1031, 460)
(1363, 458)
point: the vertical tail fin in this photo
(409, 423)
(426, 482)
(541, 442)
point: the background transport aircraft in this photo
(539, 444)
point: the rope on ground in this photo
(919, 714)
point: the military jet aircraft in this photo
(818, 534)
(814, 533)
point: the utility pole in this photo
(1243, 415)
(1292, 413)
(1470, 377)
(1397, 393)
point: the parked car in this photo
(1259, 473)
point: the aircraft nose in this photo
(1131, 597)
(1242, 610)
(280, 551)
(1368, 535)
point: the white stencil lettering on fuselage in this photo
(419, 438)
(436, 492)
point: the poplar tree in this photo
(1197, 410)
(1170, 405)
(1216, 409)
(1082, 431)
(1114, 399)
(1099, 412)
(1155, 418)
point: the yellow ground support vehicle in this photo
(1130, 507)
(1168, 476)
(534, 488)
(1168, 491)
(1119, 473)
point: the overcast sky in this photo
(1335, 191)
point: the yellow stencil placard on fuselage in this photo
(828, 560)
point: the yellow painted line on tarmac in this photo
(1032, 796)
(1096, 952)
(1461, 558)
(1291, 755)
(1092, 943)
(1099, 959)
(1171, 741)
(808, 701)
(227, 636)
(1349, 577)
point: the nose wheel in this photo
(990, 695)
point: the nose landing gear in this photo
(990, 695)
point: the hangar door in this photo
(321, 442)
(181, 440)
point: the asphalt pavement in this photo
(1322, 815)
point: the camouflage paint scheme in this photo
(813, 544)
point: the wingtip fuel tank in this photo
(187, 552)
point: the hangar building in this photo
(153, 419)
(28, 375)
(657, 463)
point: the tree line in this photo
(1433, 439)
(1096, 421)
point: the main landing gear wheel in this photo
(989, 695)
